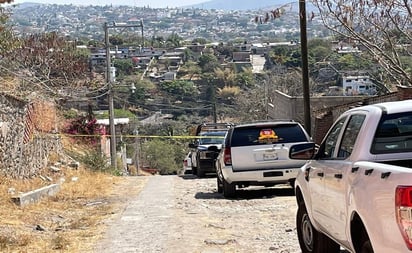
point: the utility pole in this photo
(305, 67)
(109, 80)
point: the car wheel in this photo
(219, 185)
(310, 240)
(229, 190)
(200, 173)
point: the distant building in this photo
(358, 85)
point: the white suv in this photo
(258, 154)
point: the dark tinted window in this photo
(261, 135)
(212, 138)
(394, 134)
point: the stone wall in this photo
(27, 136)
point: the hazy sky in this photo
(139, 3)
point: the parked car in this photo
(258, 154)
(209, 141)
(187, 164)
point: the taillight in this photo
(227, 158)
(185, 163)
(403, 202)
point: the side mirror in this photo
(304, 151)
(192, 145)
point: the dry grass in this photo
(72, 220)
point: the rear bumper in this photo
(258, 177)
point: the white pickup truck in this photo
(355, 191)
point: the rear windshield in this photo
(261, 135)
(212, 138)
(394, 134)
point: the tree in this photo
(123, 66)
(245, 78)
(200, 41)
(51, 62)
(179, 87)
(226, 77)
(116, 40)
(159, 154)
(191, 69)
(381, 27)
(8, 42)
(174, 40)
(208, 63)
(319, 50)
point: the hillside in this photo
(248, 5)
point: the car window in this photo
(393, 134)
(350, 135)
(328, 146)
(261, 135)
(212, 138)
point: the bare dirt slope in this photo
(186, 214)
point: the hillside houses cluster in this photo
(168, 62)
(79, 22)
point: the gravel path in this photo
(185, 214)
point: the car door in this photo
(336, 178)
(325, 158)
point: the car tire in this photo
(219, 185)
(229, 189)
(311, 240)
(200, 173)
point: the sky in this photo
(138, 3)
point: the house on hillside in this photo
(241, 56)
(358, 85)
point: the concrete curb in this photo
(34, 196)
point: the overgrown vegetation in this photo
(67, 222)
(164, 155)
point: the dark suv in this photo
(258, 154)
(209, 141)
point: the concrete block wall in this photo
(326, 109)
(24, 144)
(287, 107)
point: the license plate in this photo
(268, 157)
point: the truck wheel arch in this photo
(359, 235)
(299, 196)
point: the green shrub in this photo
(161, 155)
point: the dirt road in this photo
(177, 214)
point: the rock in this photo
(11, 191)
(40, 228)
(54, 169)
(219, 242)
(74, 165)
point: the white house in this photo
(358, 85)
